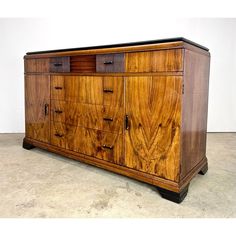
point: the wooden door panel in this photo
(152, 142)
(37, 103)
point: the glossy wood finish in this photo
(110, 63)
(99, 117)
(37, 104)
(144, 117)
(83, 64)
(103, 145)
(194, 112)
(153, 105)
(163, 60)
(36, 65)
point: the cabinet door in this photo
(152, 134)
(37, 100)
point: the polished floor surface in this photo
(37, 183)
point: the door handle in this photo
(46, 109)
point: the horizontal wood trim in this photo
(162, 73)
(139, 48)
(141, 176)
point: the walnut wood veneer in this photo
(137, 109)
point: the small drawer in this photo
(60, 64)
(36, 65)
(110, 63)
(57, 87)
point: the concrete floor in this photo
(37, 183)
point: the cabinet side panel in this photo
(194, 112)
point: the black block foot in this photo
(173, 196)
(203, 170)
(27, 146)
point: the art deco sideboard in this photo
(137, 109)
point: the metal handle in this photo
(127, 122)
(108, 62)
(46, 109)
(108, 118)
(58, 111)
(108, 90)
(58, 135)
(57, 64)
(107, 147)
(57, 87)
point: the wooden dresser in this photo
(137, 109)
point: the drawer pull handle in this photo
(46, 109)
(59, 135)
(58, 111)
(108, 118)
(57, 64)
(57, 87)
(108, 62)
(107, 147)
(108, 90)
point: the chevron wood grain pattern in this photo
(155, 61)
(103, 145)
(37, 65)
(107, 118)
(153, 105)
(37, 121)
(142, 114)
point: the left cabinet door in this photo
(37, 107)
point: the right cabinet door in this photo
(152, 134)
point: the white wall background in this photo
(19, 35)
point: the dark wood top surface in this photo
(169, 40)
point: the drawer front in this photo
(57, 88)
(60, 64)
(113, 91)
(90, 116)
(155, 61)
(110, 63)
(36, 65)
(103, 145)
(96, 143)
(99, 90)
(58, 134)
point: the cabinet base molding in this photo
(171, 187)
(173, 196)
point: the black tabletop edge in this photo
(168, 40)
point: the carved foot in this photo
(27, 146)
(203, 170)
(173, 196)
